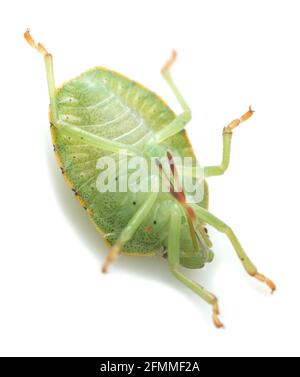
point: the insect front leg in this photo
(49, 71)
(181, 120)
(174, 258)
(130, 229)
(210, 171)
(212, 220)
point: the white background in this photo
(53, 298)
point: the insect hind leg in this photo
(174, 261)
(250, 268)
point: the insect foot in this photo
(216, 313)
(37, 46)
(169, 63)
(113, 254)
(242, 119)
(264, 279)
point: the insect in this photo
(101, 113)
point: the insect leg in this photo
(212, 220)
(49, 70)
(165, 71)
(97, 141)
(181, 120)
(130, 229)
(174, 257)
(210, 171)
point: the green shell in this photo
(110, 105)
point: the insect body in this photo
(101, 113)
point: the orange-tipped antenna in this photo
(38, 46)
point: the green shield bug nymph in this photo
(102, 119)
